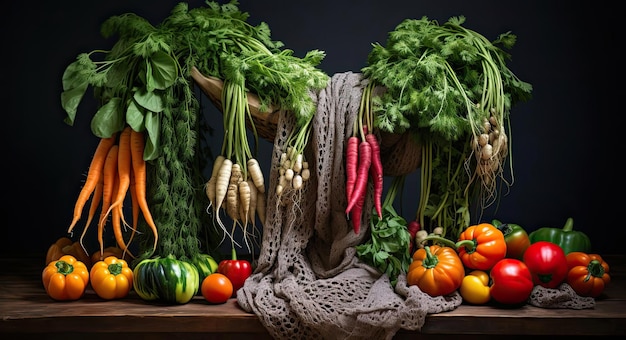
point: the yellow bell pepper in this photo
(475, 287)
(111, 278)
(65, 278)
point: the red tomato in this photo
(216, 288)
(547, 263)
(512, 282)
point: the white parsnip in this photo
(255, 172)
(210, 185)
(244, 201)
(232, 201)
(221, 184)
(252, 205)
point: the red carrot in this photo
(352, 154)
(360, 187)
(376, 171)
(355, 214)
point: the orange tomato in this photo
(588, 273)
(216, 288)
(65, 278)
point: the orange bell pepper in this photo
(65, 246)
(481, 246)
(65, 278)
(111, 278)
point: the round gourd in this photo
(166, 279)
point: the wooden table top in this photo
(26, 310)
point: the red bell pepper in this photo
(547, 263)
(512, 282)
(237, 271)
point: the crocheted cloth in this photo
(562, 297)
(308, 281)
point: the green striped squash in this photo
(205, 264)
(166, 279)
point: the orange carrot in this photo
(123, 172)
(134, 207)
(116, 220)
(109, 183)
(137, 144)
(95, 203)
(93, 175)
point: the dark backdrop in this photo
(564, 140)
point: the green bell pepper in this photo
(567, 238)
(516, 238)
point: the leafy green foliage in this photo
(388, 247)
(435, 78)
(147, 60)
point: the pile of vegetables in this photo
(481, 268)
(449, 87)
(144, 86)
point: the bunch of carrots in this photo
(116, 170)
(362, 162)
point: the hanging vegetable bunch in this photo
(451, 88)
(363, 163)
(247, 60)
(143, 84)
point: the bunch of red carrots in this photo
(116, 170)
(363, 162)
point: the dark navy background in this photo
(566, 141)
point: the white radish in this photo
(296, 182)
(486, 152)
(289, 174)
(297, 165)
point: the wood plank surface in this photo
(26, 310)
